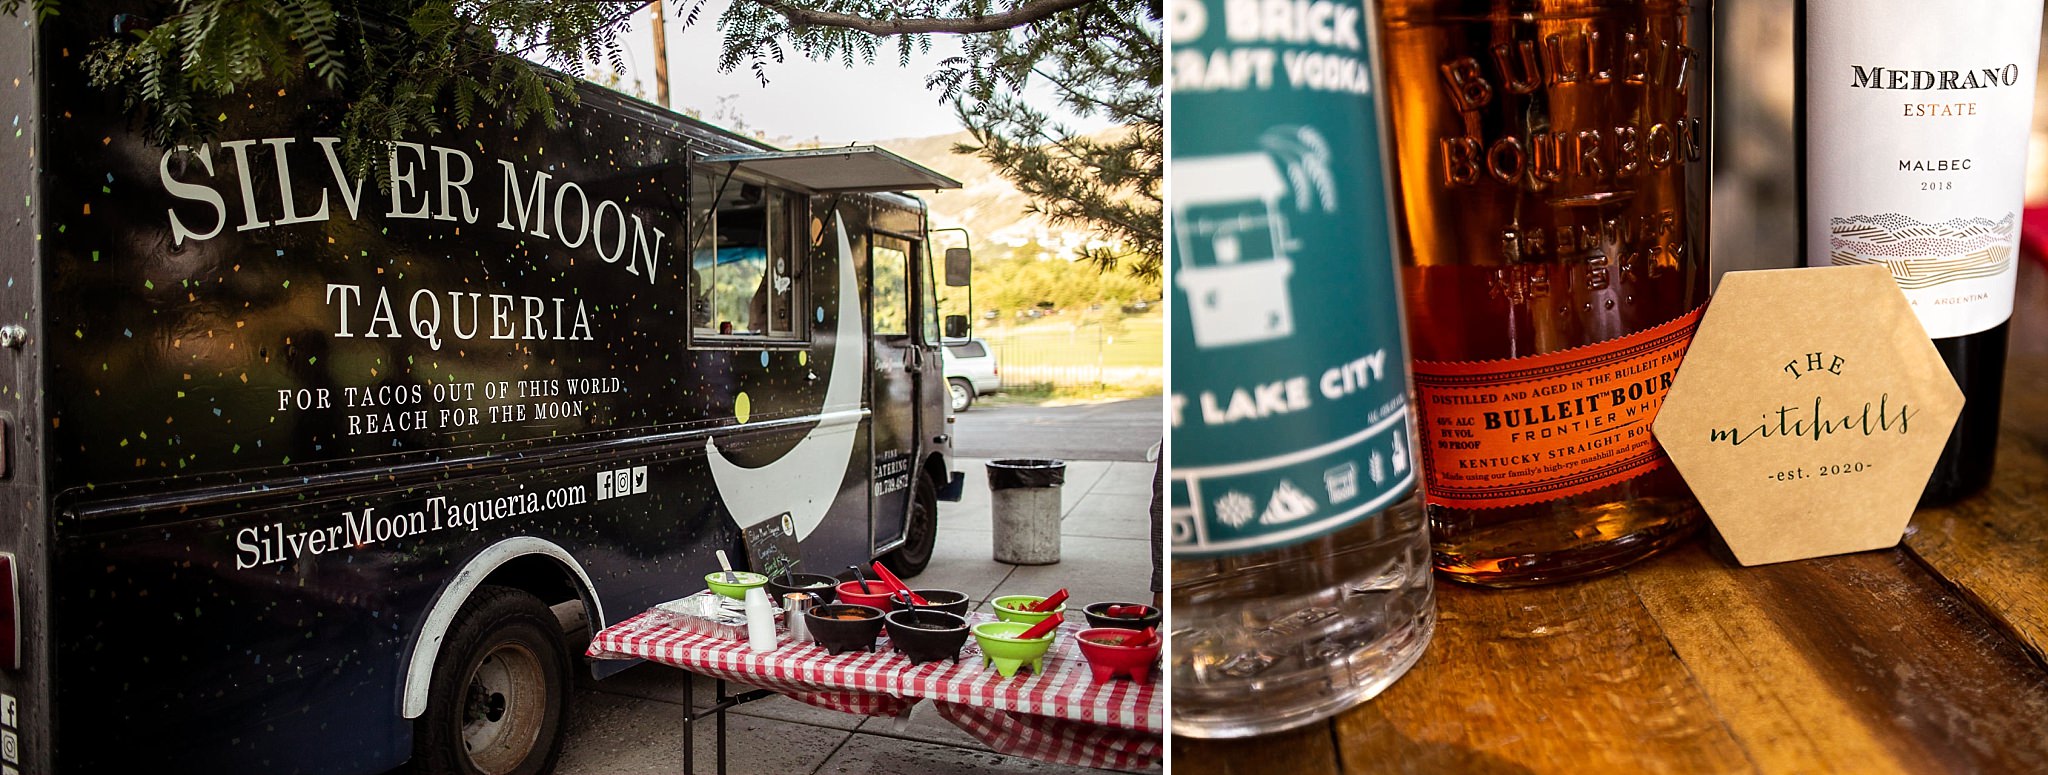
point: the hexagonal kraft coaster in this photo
(1808, 412)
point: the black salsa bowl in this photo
(927, 635)
(825, 587)
(947, 600)
(843, 627)
(1098, 616)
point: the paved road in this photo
(1114, 430)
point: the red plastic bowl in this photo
(1108, 661)
(849, 592)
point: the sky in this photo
(803, 100)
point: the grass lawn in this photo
(1076, 356)
(1069, 340)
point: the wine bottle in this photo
(1301, 581)
(1915, 121)
(1552, 177)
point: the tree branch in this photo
(1030, 11)
(1072, 93)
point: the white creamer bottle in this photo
(760, 621)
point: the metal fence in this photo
(1086, 358)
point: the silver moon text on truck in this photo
(301, 474)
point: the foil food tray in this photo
(709, 613)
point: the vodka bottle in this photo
(1301, 581)
(1915, 119)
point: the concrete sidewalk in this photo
(632, 722)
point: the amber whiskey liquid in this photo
(1551, 184)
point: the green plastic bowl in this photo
(999, 644)
(1010, 608)
(735, 591)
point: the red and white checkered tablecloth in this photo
(1061, 716)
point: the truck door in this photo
(897, 352)
(896, 387)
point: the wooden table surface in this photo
(1927, 658)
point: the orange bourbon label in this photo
(1526, 430)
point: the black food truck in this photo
(300, 474)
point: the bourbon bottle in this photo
(1551, 177)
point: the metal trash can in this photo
(1025, 495)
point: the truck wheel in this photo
(963, 393)
(911, 558)
(499, 693)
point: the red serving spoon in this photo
(1040, 629)
(1130, 640)
(882, 572)
(1126, 611)
(1049, 603)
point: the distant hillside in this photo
(986, 204)
(991, 209)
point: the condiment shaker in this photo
(794, 606)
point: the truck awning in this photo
(835, 170)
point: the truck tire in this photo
(921, 532)
(961, 392)
(500, 691)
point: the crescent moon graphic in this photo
(805, 480)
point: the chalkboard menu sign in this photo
(772, 545)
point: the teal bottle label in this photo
(1290, 394)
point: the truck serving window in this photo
(747, 260)
(891, 313)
